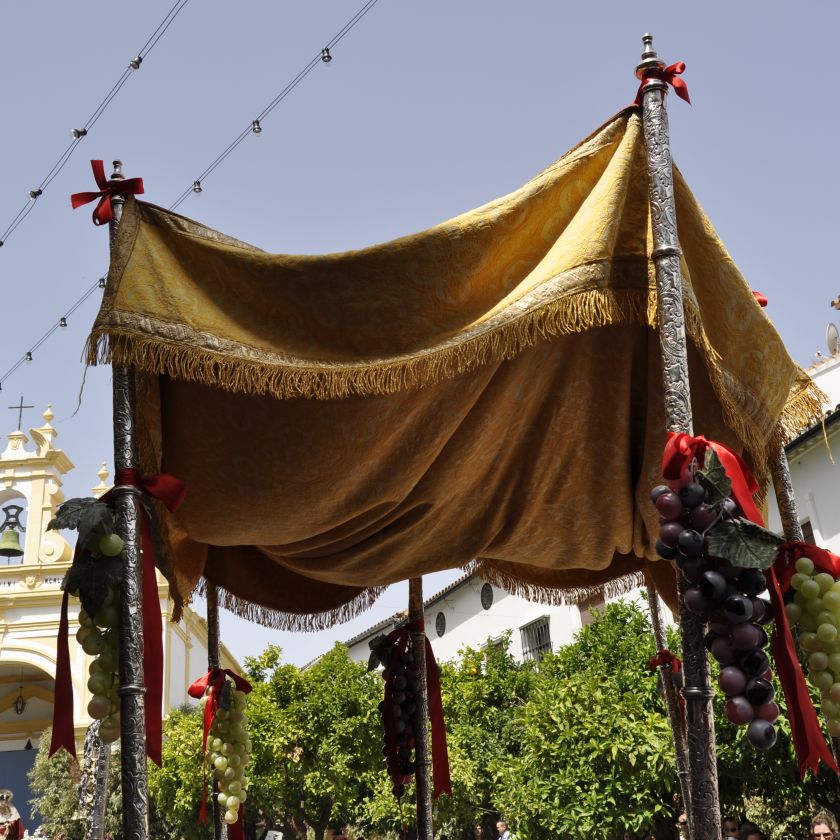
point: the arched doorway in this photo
(26, 707)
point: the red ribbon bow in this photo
(760, 299)
(171, 492)
(215, 680)
(673, 662)
(440, 756)
(671, 76)
(104, 211)
(682, 449)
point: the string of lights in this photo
(78, 134)
(324, 56)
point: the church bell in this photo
(10, 544)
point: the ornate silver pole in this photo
(705, 809)
(93, 788)
(213, 661)
(135, 789)
(672, 703)
(421, 729)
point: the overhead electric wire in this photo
(154, 38)
(302, 74)
(80, 133)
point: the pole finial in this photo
(650, 60)
(117, 174)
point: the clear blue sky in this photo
(427, 110)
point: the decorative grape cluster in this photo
(229, 749)
(99, 638)
(399, 712)
(815, 614)
(727, 597)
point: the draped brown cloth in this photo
(486, 392)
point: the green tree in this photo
(596, 753)
(316, 736)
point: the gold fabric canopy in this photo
(486, 391)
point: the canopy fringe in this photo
(551, 596)
(294, 622)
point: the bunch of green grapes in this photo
(99, 637)
(229, 749)
(815, 613)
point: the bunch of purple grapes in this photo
(399, 711)
(727, 597)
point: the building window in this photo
(536, 639)
(808, 532)
(595, 603)
(440, 624)
(486, 596)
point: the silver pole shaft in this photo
(135, 787)
(705, 808)
(97, 759)
(214, 661)
(672, 703)
(423, 772)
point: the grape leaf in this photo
(90, 578)
(744, 544)
(96, 519)
(69, 514)
(714, 480)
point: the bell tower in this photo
(30, 492)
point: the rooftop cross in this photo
(19, 408)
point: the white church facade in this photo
(31, 471)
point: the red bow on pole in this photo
(171, 492)
(674, 663)
(214, 679)
(682, 449)
(440, 755)
(671, 76)
(104, 212)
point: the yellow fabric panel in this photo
(487, 390)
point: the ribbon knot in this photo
(104, 210)
(671, 76)
(682, 449)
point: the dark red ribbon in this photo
(671, 76)
(215, 680)
(171, 492)
(681, 449)
(104, 210)
(761, 300)
(398, 638)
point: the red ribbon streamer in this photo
(761, 300)
(215, 678)
(171, 492)
(440, 755)
(682, 449)
(104, 210)
(671, 76)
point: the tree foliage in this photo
(575, 746)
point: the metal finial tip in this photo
(649, 51)
(117, 174)
(650, 60)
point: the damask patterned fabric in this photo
(487, 390)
